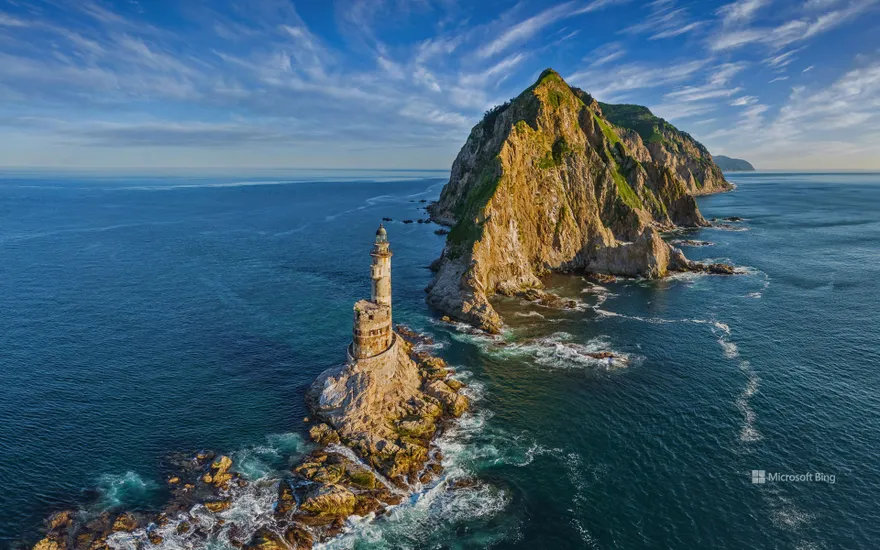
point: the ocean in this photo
(144, 316)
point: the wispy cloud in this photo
(665, 20)
(813, 122)
(782, 60)
(608, 84)
(693, 100)
(736, 32)
(605, 54)
(741, 11)
(254, 77)
(9, 21)
(527, 29)
(715, 86)
(744, 100)
(519, 32)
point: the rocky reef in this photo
(374, 424)
(550, 182)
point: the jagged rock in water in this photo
(547, 183)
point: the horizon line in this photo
(120, 169)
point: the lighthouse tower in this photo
(380, 271)
(372, 334)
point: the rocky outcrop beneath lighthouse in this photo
(387, 408)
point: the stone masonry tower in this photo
(372, 334)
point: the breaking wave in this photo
(457, 503)
(532, 313)
(124, 490)
(558, 351)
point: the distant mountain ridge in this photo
(556, 181)
(728, 164)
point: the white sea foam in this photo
(728, 227)
(119, 490)
(426, 518)
(690, 243)
(431, 516)
(559, 351)
(464, 332)
(252, 505)
(259, 461)
(748, 430)
(581, 477)
(529, 314)
(788, 516)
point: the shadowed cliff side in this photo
(547, 183)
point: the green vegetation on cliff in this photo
(728, 164)
(637, 118)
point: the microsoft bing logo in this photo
(759, 476)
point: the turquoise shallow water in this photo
(148, 315)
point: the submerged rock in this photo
(60, 520)
(547, 299)
(602, 278)
(720, 269)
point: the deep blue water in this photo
(147, 315)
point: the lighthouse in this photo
(380, 270)
(372, 333)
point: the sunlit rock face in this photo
(548, 182)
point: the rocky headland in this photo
(733, 165)
(556, 181)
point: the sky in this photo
(399, 83)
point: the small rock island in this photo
(375, 420)
(555, 181)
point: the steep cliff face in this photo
(669, 146)
(547, 183)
